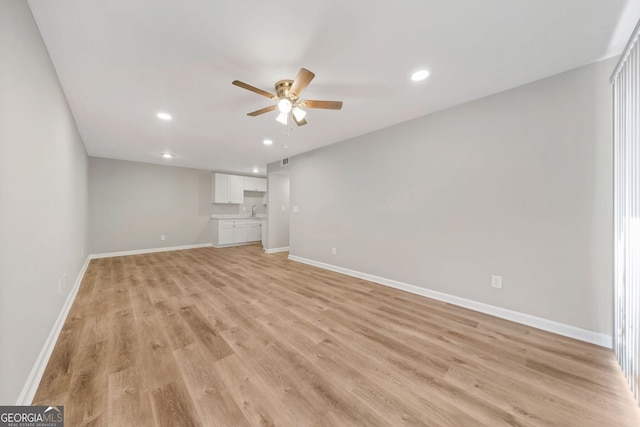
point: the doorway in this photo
(278, 188)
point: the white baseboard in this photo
(149, 251)
(231, 245)
(597, 338)
(274, 250)
(33, 380)
(35, 376)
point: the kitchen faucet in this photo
(253, 210)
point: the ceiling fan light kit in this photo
(282, 118)
(284, 105)
(298, 113)
(287, 98)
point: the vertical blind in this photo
(626, 139)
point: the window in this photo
(626, 138)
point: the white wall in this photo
(132, 204)
(517, 184)
(43, 197)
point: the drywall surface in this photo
(43, 198)
(132, 205)
(517, 184)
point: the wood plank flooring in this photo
(236, 337)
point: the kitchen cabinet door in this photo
(219, 188)
(254, 231)
(227, 188)
(225, 234)
(235, 189)
(255, 184)
(240, 233)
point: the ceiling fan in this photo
(287, 98)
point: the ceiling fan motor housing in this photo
(282, 89)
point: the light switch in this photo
(296, 209)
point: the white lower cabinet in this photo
(236, 231)
(254, 231)
(225, 233)
(240, 232)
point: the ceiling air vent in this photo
(284, 161)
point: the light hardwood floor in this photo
(217, 337)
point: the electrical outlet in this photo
(496, 281)
(162, 237)
(334, 251)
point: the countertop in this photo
(237, 216)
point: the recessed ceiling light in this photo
(419, 75)
(164, 116)
(256, 170)
(267, 142)
(167, 156)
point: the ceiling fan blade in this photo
(262, 110)
(302, 80)
(253, 89)
(299, 122)
(327, 105)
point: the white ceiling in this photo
(122, 61)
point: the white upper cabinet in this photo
(255, 184)
(219, 188)
(227, 188)
(236, 190)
